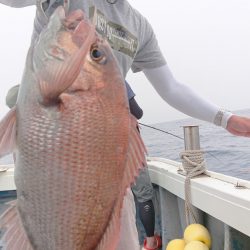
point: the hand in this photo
(238, 125)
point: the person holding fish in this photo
(69, 66)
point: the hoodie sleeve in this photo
(18, 3)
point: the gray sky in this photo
(206, 44)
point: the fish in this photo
(77, 147)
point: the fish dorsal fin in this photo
(12, 236)
(135, 161)
(8, 133)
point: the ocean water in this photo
(224, 153)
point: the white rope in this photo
(194, 165)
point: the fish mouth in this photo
(76, 23)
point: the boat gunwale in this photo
(216, 197)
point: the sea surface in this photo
(224, 153)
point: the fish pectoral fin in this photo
(136, 156)
(12, 233)
(8, 133)
(135, 161)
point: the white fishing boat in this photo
(221, 202)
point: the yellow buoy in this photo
(196, 245)
(177, 244)
(197, 232)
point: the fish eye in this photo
(97, 55)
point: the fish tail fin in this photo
(135, 161)
(12, 234)
(8, 133)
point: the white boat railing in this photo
(220, 199)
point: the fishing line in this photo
(163, 131)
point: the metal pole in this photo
(192, 142)
(191, 137)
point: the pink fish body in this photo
(77, 147)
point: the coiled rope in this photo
(193, 164)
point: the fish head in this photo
(70, 56)
(62, 37)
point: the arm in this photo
(18, 3)
(187, 101)
(11, 97)
(182, 97)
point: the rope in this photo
(194, 165)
